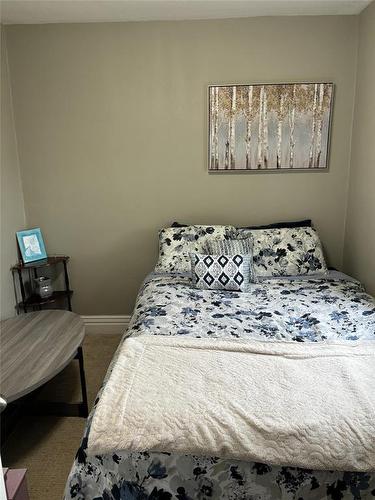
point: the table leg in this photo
(67, 285)
(84, 405)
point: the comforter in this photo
(334, 309)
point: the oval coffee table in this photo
(34, 348)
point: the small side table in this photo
(32, 301)
(35, 347)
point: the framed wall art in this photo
(269, 127)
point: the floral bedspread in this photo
(331, 309)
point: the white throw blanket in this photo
(310, 405)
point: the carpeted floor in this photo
(46, 446)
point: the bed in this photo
(295, 309)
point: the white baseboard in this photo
(106, 324)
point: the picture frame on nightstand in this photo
(31, 245)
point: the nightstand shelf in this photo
(34, 300)
(49, 261)
(30, 301)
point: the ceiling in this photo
(77, 11)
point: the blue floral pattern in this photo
(286, 251)
(303, 310)
(177, 243)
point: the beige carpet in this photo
(46, 446)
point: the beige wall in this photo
(12, 208)
(360, 229)
(111, 124)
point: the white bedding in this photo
(310, 405)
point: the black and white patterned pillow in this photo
(286, 252)
(232, 246)
(221, 272)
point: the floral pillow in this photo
(177, 243)
(286, 252)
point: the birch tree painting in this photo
(269, 127)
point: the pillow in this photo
(298, 223)
(230, 246)
(286, 252)
(220, 272)
(176, 244)
(276, 225)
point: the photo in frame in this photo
(31, 245)
(269, 127)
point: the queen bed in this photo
(286, 320)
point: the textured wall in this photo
(12, 208)
(112, 130)
(360, 229)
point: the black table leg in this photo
(29, 405)
(84, 409)
(67, 285)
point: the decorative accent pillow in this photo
(231, 246)
(220, 272)
(176, 244)
(286, 252)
